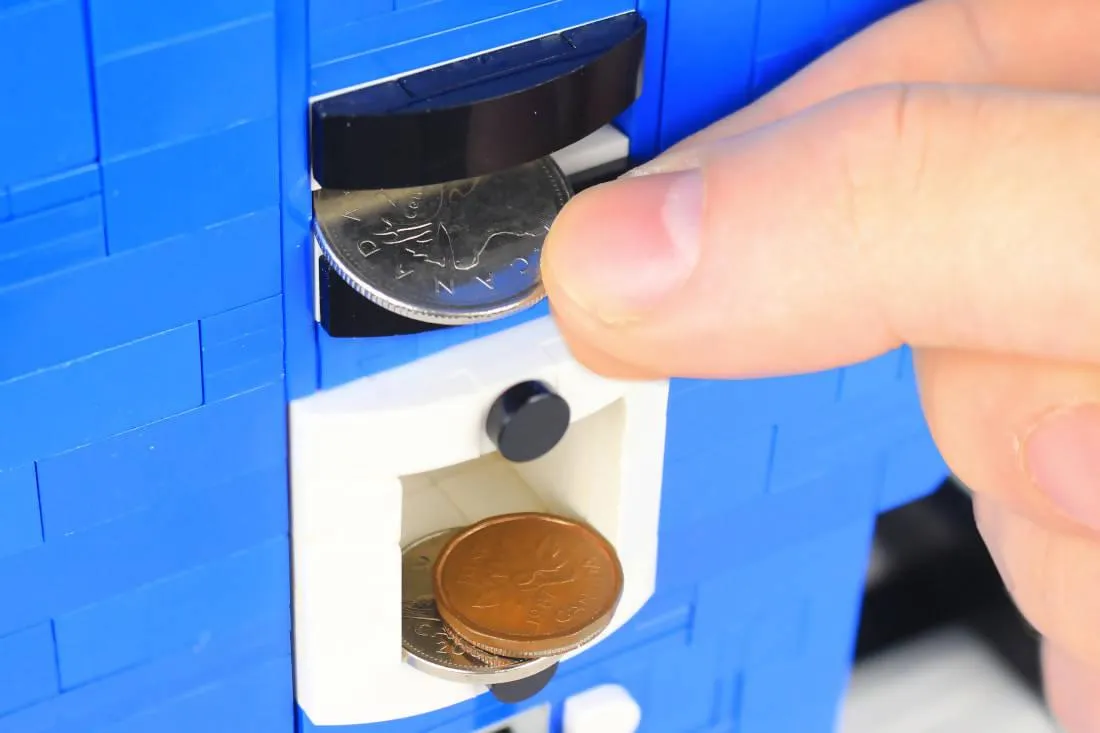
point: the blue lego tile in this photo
(173, 613)
(27, 668)
(190, 529)
(213, 179)
(169, 681)
(193, 86)
(20, 515)
(120, 27)
(255, 698)
(48, 124)
(30, 197)
(141, 468)
(125, 297)
(343, 54)
(36, 245)
(94, 397)
(242, 349)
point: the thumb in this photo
(942, 217)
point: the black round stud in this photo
(511, 693)
(527, 421)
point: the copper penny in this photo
(528, 585)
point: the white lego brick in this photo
(603, 709)
(605, 145)
(945, 681)
(393, 457)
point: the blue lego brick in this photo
(36, 245)
(256, 698)
(374, 46)
(20, 515)
(778, 29)
(141, 468)
(30, 197)
(199, 84)
(27, 668)
(171, 681)
(122, 298)
(94, 397)
(642, 122)
(5, 204)
(45, 91)
(188, 530)
(242, 349)
(120, 27)
(179, 189)
(871, 378)
(173, 613)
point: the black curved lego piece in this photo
(482, 114)
(516, 692)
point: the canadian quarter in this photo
(458, 252)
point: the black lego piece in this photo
(527, 421)
(482, 114)
(511, 693)
(347, 314)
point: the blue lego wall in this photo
(156, 311)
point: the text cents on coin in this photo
(460, 252)
(528, 585)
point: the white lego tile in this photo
(945, 682)
(606, 145)
(393, 457)
(603, 709)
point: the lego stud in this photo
(527, 421)
(511, 693)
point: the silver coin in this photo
(459, 252)
(429, 644)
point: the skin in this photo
(933, 182)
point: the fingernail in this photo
(1062, 454)
(626, 247)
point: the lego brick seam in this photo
(127, 297)
(190, 530)
(155, 463)
(20, 513)
(99, 395)
(173, 613)
(242, 349)
(54, 129)
(40, 194)
(27, 668)
(44, 242)
(144, 688)
(224, 177)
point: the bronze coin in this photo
(528, 585)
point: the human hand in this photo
(933, 182)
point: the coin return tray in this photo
(388, 459)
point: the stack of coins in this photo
(508, 596)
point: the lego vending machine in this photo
(275, 347)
